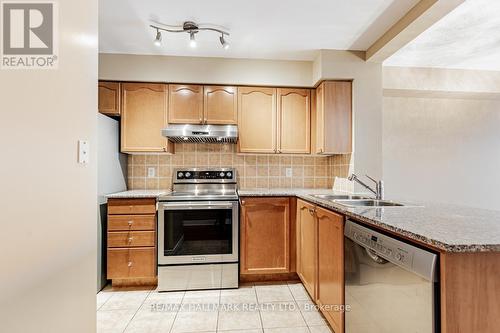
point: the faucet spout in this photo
(379, 186)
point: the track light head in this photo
(224, 42)
(192, 40)
(158, 38)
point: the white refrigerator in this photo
(111, 177)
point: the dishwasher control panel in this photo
(412, 258)
(383, 246)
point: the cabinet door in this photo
(185, 104)
(331, 266)
(144, 114)
(131, 263)
(109, 98)
(334, 117)
(257, 119)
(307, 246)
(294, 116)
(265, 235)
(320, 120)
(220, 105)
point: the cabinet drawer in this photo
(131, 206)
(131, 239)
(131, 222)
(131, 263)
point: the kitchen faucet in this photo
(379, 186)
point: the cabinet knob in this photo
(130, 222)
(130, 264)
(130, 239)
(242, 202)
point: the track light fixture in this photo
(158, 38)
(192, 29)
(223, 42)
(192, 40)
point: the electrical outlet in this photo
(288, 172)
(83, 151)
(151, 172)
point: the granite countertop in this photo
(131, 194)
(446, 227)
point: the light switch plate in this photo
(151, 172)
(288, 172)
(83, 151)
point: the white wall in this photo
(441, 136)
(48, 201)
(147, 68)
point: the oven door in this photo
(197, 232)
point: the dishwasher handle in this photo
(403, 254)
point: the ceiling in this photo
(278, 29)
(466, 38)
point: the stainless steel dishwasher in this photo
(390, 286)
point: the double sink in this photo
(357, 201)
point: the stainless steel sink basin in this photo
(333, 197)
(369, 203)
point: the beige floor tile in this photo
(147, 321)
(273, 293)
(243, 298)
(280, 315)
(311, 314)
(298, 291)
(287, 330)
(101, 298)
(320, 329)
(195, 322)
(125, 300)
(113, 321)
(165, 301)
(242, 331)
(237, 320)
(204, 300)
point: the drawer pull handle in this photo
(130, 239)
(130, 264)
(130, 223)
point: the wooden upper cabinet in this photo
(185, 104)
(333, 111)
(257, 119)
(109, 98)
(265, 235)
(220, 105)
(330, 289)
(307, 246)
(144, 114)
(294, 116)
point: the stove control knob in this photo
(180, 175)
(221, 174)
(399, 257)
(188, 174)
(229, 174)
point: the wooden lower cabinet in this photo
(265, 242)
(330, 288)
(131, 263)
(131, 242)
(307, 249)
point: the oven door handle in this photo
(192, 206)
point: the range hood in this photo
(201, 133)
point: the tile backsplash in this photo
(253, 170)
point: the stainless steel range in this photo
(198, 231)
